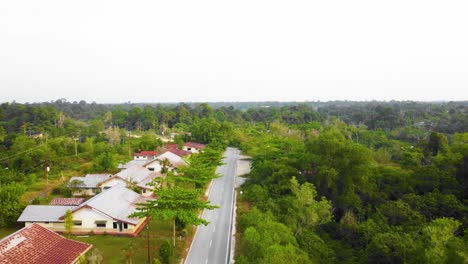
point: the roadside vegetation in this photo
(335, 182)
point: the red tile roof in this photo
(171, 146)
(195, 145)
(179, 152)
(66, 201)
(146, 153)
(37, 245)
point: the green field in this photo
(112, 247)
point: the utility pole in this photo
(129, 146)
(47, 169)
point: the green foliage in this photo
(104, 162)
(174, 202)
(68, 221)
(261, 239)
(166, 252)
(10, 203)
(308, 210)
(438, 235)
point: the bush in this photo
(165, 252)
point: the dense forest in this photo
(331, 182)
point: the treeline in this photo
(359, 197)
(404, 119)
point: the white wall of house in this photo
(89, 225)
(154, 166)
(146, 192)
(85, 192)
(140, 157)
(113, 182)
(49, 225)
(88, 218)
(191, 149)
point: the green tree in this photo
(166, 252)
(310, 212)
(68, 222)
(10, 203)
(175, 202)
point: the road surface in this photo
(211, 244)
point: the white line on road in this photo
(214, 229)
(211, 242)
(206, 261)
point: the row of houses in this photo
(114, 196)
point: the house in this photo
(67, 201)
(107, 212)
(193, 147)
(174, 160)
(138, 176)
(35, 244)
(87, 185)
(145, 155)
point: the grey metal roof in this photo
(134, 174)
(175, 160)
(44, 213)
(90, 180)
(117, 202)
(133, 163)
(146, 181)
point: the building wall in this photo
(85, 192)
(154, 166)
(113, 182)
(88, 224)
(191, 149)
(88, 218)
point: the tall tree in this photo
(175, 202)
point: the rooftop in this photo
(66, 201)
(132, 163)
(174, 159)
(90, 180)
(117, 202)
(44, 213)
(146, 153)
(134, 174)
(195, 145)
(35, 244)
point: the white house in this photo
(87, 185)
(107, 212)
(136, 175)
(175, 161)
(193, 147)
(145, 155)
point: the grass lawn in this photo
(111, 246)
(5, 231)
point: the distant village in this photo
(101, 204)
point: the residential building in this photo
(193, 147)
(35, 244)
(87, 185)
(107, 212)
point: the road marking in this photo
(214, 229)
(211, 242)
(206, 261)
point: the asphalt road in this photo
(211, 244)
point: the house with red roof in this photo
(193, 147)
(66, 201)
(145, 155)
(35, 244)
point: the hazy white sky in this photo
(242, 50)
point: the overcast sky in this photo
(242, 50)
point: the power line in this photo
(19, 153)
